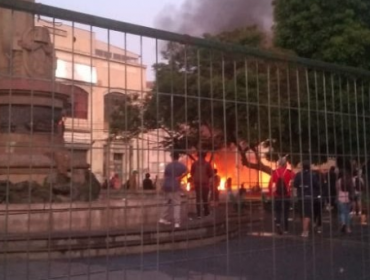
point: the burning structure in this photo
(229, 165)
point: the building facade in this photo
(101, 75)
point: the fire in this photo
(222, 186)
(186, 181)
(228, 165)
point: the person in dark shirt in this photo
(241, 203)
(242, 191)
(201, 172)
(318, 195)
(307, 184)
(148, 183)
(214, 184)
(331, 190)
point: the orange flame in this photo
(229, 166)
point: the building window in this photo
(115, 56)
(101, 53)
(118, 157)
(79, 104)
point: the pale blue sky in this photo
(141, 12)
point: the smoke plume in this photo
(196, 17)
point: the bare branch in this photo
(257, 166)
(190, 156)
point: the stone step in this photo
(97, 216)
(93, 244)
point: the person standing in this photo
(173, 174)
(114, 182)
(241, 200)
(307, 184)
(331, 190)
(359, 186)
(131, 183)
(148, 183)
(318, 202)
(214, 185)
(201, 172)
(280, 192)
(345, 192)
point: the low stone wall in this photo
(129, 213)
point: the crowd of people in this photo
(311, 191)
(114, 182)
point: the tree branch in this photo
(257, 166)
(190, 156)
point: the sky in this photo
(141, 12)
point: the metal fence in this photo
(89, 106)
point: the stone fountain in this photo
(36, 168)
(34, 164)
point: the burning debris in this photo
(228, 164)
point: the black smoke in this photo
(196, 17)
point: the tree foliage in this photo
(217, 95)
(325, 30)
(209, 100)
(125, 116)
(339, 33)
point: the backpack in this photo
(308, 184)
(281, 189)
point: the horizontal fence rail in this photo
(114, 25)
(130, 152)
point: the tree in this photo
(325, 30)
(209, 100)
(337, 33)
(125, 115)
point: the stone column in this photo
(31, 113)
(13, 25)
(31, 102)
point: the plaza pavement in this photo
(256, 254)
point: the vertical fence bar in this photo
(156, 94)
(330, 178)
(288, 103)
(274, 201)
(366, 168)
(358, 173)
(91, 125)
(224, 106)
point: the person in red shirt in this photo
(280, 189)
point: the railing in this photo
(249, 110)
